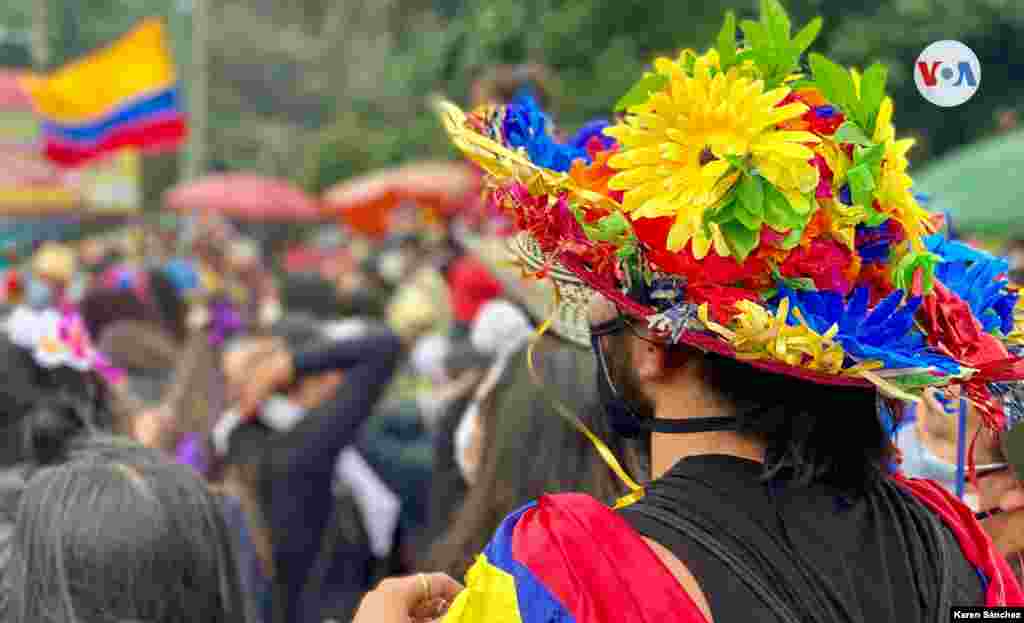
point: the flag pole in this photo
(41, 35)
(199, 76)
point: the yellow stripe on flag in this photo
(135, 65)
(490, 597)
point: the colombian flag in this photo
(125, 95)
(569, 559)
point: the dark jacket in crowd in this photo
(297, 484)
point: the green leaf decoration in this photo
(689, 60)
(862, 184)
(811, 203)
(609, 229)
(750, 221)
(872, 92)
(913, 381)
(802, 83)
(911, 262)
(875, 218)
(779, 213)
(775, 19)
(641, 91)
(741, 241)
(793, 239)
(746, 55)
(903, 274)
(850, 132)
(836, 84)
(772, 48)
(863, 175)
(755, 33)
(723, 211)
(737, 162)
(794, 283)
(727, 42)
(807, 36)
(871, 157)
(801, 283)
(750, 195)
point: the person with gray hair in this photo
(115, 533)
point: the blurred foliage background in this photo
(319, 90)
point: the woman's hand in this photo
(417, 598)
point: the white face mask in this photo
(464, 436)
(281, 414)
(469, 430)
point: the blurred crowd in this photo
(345, 413)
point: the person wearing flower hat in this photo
(768, 291)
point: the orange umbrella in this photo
(365, 203)
(245, 196)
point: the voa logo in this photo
(947, 73)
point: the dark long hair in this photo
(529, 450)
(101, 308)
(114, 533)
(38, 405)
(814, 433)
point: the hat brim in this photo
(509, 264)
(572, 274)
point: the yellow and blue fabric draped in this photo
(568, 558)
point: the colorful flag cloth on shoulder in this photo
(568, 558)
(125, 95)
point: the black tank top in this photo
(806, 553)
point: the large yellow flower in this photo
(673, 146)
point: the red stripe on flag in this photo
(162, 135)
(596, 565)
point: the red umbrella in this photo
(365, 203)
(245, 196)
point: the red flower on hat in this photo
(824, 261)
(875, 277)
(952, 328)
(721, 282)
(822, 118)
(825, 176)
(712, 269)
(818, 225)
(653, 232)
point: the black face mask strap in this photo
(691, 425)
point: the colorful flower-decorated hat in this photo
(755, 205)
